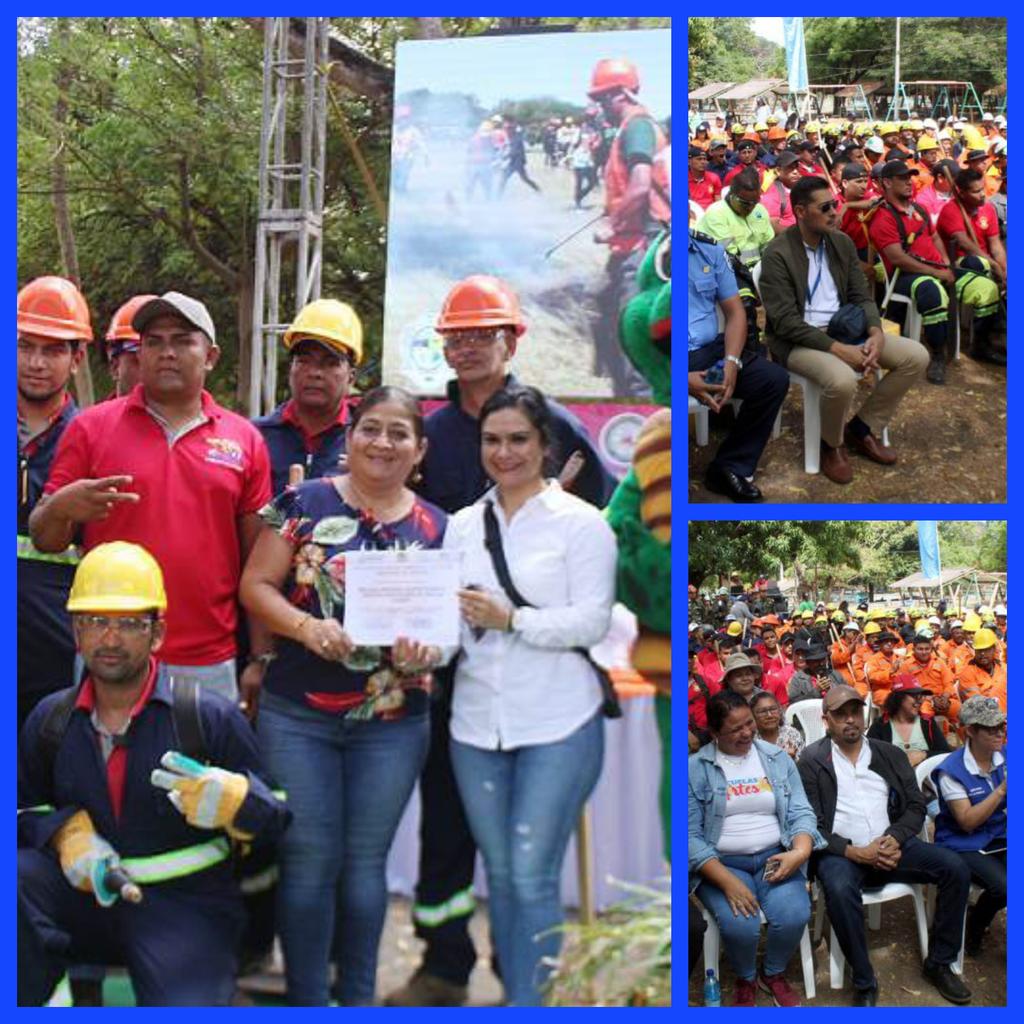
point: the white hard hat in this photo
(1000, 119)
(1000, 609)
(956, 624)
(943, 135)
(875, 145)
(987, 116)
(930, 123)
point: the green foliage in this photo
(727, 50)
(931, 49)
(623, 959)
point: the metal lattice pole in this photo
(291, 191)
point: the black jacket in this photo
(906, 802)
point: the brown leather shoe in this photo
(870, 447)
(835, 465)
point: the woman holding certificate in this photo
(343, 728)
(527, 733)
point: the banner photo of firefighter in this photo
(542, 160)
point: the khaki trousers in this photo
(905, 361)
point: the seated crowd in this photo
(830, 236)
(774, 804)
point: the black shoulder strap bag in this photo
(610, 706)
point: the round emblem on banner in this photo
(617, 440)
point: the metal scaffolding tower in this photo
(291, 191)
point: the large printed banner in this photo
(498, 168)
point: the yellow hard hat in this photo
(860, 614)
(813, 126)
(925, 143)
(334, 323)
(889, 129)
(871, 628)
(971, 623)
(921, 625)
(734, 629)
(830, 607)
(838, 617)
(760, 127)
(820, 618)
(984, 639)
(875, 614)
(118, 577)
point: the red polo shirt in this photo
(191, 495)
(312, 441)
(118, 760)
(852, 225)
(983, 220)
(706, 191)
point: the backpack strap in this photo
(188, 724)
(51, 733)
(781, 189)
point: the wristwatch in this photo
(736, 360)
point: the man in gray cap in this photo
(168, 468)
(870, 811)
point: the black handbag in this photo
(610, 706)
(849, 324)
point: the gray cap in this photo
(836, 696)
(786, 158)
(979, 710)
(176, 304)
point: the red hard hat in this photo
(52, 307)
(481, 301)
(120, 328)
(613, 73)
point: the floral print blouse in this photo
(321, 526)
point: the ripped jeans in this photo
(522, 806)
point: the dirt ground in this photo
(951, 443)
(895, 955)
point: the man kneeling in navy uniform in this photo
(124, 842)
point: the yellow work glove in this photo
(85, 857)
(207, 797)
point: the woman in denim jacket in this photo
(749, 857)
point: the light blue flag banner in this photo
(928, 541)
(796, 53)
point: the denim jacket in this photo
(707, 803)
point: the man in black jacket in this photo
(870, 811)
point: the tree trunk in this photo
(430, 28)
(62, 215)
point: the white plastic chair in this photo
(700, 413)
(812, 409)
(912, 325)
(713, 944)
(873, 900)
(806, 714)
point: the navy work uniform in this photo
(453, 477)
(180, 944)
(46, 646)
(761, 385)
(289, 444)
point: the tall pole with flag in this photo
(796, 57)
(928, 543)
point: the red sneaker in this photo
(745, 993)
(778, 988)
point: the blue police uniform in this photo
(453, 478)
(180, 944)
(761, 385)
(287, 446)
(46, 646)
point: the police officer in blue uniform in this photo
(721, 368)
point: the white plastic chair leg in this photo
(712, 943)
(874, 916)
(812, 427)
(922, 923)
(836, 962)
(807, 963)
(777, 425)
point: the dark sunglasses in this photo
(825, 207)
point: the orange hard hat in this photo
(481, 301)
(775, 132)
(52, 307)
(120, 328)
(613, 73)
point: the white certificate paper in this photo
(413, 593)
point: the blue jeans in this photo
(522, 806)
(347, 783)
(786, 907)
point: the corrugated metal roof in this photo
(748, 90)
(709, 92)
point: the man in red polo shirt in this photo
(979, 257)
(168, 468)
(705, 188)
(747, 151)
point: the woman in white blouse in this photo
(527, 733)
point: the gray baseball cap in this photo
(176, 304)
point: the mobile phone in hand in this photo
(771, 869)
